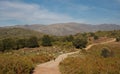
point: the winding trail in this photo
(52, 67)
(89, 46)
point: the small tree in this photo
(117, 39)
(46, 41)
(95, 37)
(92, 34)
(80, 43)
(106, 53)
(32, 42)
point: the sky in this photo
(21, 12)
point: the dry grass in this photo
(92, 62)
(15, 65)
(24, 60)
(101, 39)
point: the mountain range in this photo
(62, 29)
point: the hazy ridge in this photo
(61, 29)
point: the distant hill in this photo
(61, 29)
(18, 33)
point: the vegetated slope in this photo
(62, 29)
(52, 66)
(92, 62)
(24, 60)
(18, 33)
(113, 34)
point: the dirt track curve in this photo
(51, 67)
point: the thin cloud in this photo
(29, 13)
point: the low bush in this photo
(117, 39)
(95, 37)
(15, 65)
(106, 53)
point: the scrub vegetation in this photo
(100, 59)
(21, 50)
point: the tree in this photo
(32, 42)
(80, 43)
(46, 41)
(1, 46)
(8, 44)
(21, 43)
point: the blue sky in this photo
(20, 12)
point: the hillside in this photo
(17, 33)
(24, 53)
(62, 29)
(92, 62)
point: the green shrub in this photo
(32, 42)
(117, 39)
(7, 44)
(1, 46)
(106, 53)
(80, 43)
(96, 37)
(20, 43)
(69, 38)
(13, 44)
(46, 40)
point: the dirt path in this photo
(88, 47)
(51, 67)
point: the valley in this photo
(59, 36)
(32, 52)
